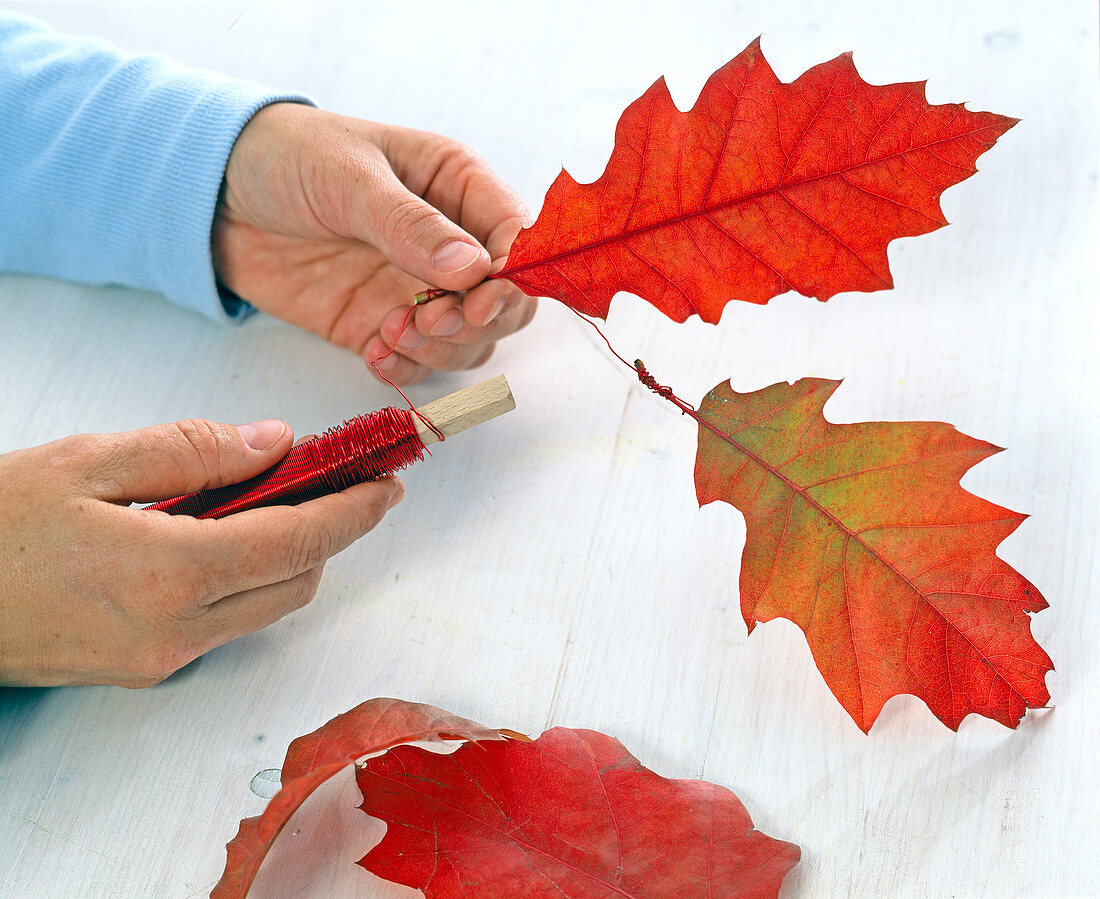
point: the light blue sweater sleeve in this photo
(110, 164)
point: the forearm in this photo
(111, 164)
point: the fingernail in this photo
(449, 325)
(261, 435)
(498, 307)
(398, 494)
(411, 340)
(454, 256)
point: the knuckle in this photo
(136, 682)
(165, 598)
(204, 439)
(306, 587)
(308, 547)
(186, 589)
(469, 357)
(409, 372)
(454, 154)
(526, 313)
(202, 435)
(159, 659)
(167, 583)
(456, 360)
(410, 217)
(485, 354)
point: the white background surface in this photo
(552, 568)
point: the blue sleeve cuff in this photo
(112, 164)
(172, 227)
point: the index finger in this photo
(258, 547)
(462, 185)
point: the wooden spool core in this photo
(465, 408)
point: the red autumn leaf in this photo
(373, 726)
(571, 814)
(861, 535)
(762, 187)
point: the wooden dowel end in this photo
(465, 408)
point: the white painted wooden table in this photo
(552, 567)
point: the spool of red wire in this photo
(363, 449)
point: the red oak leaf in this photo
(571, 814)
(373, 726)
(861, 535)
(762, 187)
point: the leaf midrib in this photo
(728, 204)
(852, 535)
(512, 836)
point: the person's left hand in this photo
(334, 224)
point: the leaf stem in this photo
(649, 381)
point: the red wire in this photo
(418, 300)
(363, 449)
(649, 381)
(640, 370)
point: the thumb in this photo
(418, 238)
(168, 460)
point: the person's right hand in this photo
(93, 591)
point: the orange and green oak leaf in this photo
(761, 188)
(862, 536)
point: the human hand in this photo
(334, 224)
(93, 591)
